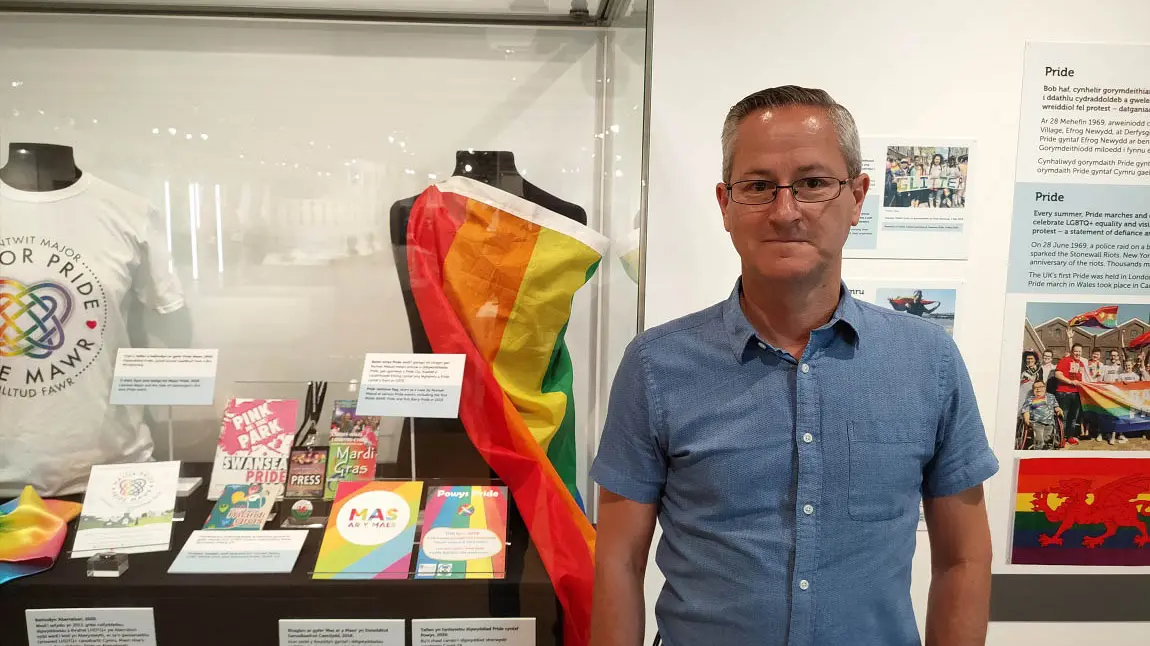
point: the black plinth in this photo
(244, 610)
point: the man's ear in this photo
(859, 188)
(724, 200)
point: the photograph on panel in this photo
(926, 177)
(935, 305)
(1084, 383)
(1082, 511)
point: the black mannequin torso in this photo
(40, 167)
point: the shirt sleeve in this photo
(963, 457)
(155, 283)
(631, 461)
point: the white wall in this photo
(707, 55)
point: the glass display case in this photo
(297, 186)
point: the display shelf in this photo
(240, 610)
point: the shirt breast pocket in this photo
(886, 458)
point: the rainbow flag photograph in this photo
(1082, 511)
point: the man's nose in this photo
(785, 207)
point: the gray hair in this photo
(788, 95)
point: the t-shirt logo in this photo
(32, 318)
(52, 317)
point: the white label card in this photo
(164, 377)
(104, 626)
(242, 552)
(518, 631)
(345, 632)
(411, 385)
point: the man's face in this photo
(1096, 356)
(1114, 358)
(787, 239)
(1077, 352)
(1129, 366)
(1047, 357)
(1039, 389)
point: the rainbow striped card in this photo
(464, 533)
(370, 531)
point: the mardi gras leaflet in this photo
(354, 442)
(464, 533)
(255, 440)
(370, 531)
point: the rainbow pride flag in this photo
(1104, 317)
(1123, 407)
(1085, 494)
(32, 531)
(493, 276)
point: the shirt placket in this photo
(808, 494)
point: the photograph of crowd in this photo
(1084, 379)
(925, 177)
(934, 305)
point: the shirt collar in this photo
(847, 319)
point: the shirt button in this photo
(806, 368)
(804, 584)
(808, 438)
(808, 509)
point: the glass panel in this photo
(254, 168)
(493, 7)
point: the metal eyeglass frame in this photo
(842, 182)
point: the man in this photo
(1048, 368)
(1039, 411)
(1113, 367)
(1095, 365)
(787, 488)
(1071, 371)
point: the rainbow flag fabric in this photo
(1119, 407)
(464, 533)
(1104, 317)
(32, 531)
(494, 276)
(1082, 511)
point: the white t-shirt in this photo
(71, 261)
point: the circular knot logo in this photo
(32, 318)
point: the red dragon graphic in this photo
(1115, 505)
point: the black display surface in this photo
(245, 609)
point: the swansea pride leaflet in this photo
(255, 441)
(464, 533)
(370, 531)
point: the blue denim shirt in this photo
(788, 489)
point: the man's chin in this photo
(788, 268)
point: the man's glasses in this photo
(809, 189)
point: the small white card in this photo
(411, 385)
(239, 552)
(104, 626)
(128, 508)
(345, 632)
(164, 377)
(518, 631)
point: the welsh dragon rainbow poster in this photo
(464, 533)
(370, 531)
(1082, 511)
